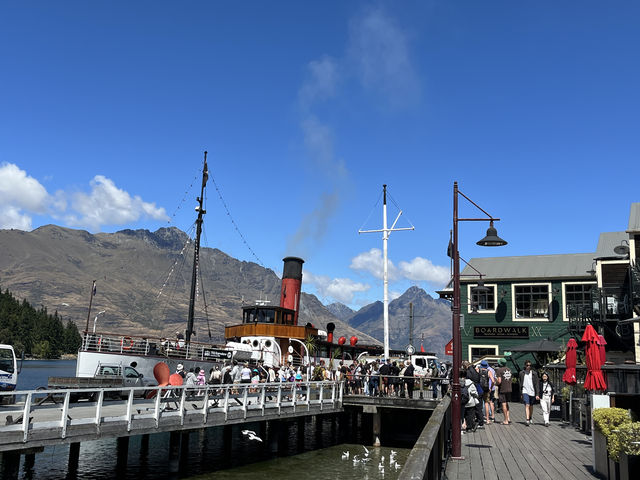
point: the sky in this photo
(307, 109)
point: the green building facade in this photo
(523, 299)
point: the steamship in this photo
(268, 334)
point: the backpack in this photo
(484, 379)
(464, 396)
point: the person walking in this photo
(408, 378)
(503, 379)
(474, 375)
(530, 390)
(468, 401)
(547, 396)
(488, 382)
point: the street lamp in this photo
(490, 240)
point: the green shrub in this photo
(609, 421)
(629, 433)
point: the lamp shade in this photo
(492, 239)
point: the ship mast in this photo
(196, 252)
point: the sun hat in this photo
(484, 364)
(502, 362)
(180, 367)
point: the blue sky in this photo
(307, 109)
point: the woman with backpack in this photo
(468, 401)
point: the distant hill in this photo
(432, 320)
(341, 311)
(142, 281)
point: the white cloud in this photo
(340, 289)
(321, 82)
(10, 217)
(422, 270)
(107, 204)
(20, 196)
(419, 269)
(373, 263)
(379, 50)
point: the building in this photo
(510, 301)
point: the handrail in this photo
(92, 406)
(425, 459)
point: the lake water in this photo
(207, 457)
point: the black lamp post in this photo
(490, 240)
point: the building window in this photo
(531, 302)
(481, 301)
(577, 300)
(477, 352)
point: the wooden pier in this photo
(519, 451)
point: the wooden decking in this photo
(517, 451)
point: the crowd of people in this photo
(482, 387)
(375, 378)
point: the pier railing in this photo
(47, 416)
(429, 454)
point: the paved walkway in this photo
(517, 451)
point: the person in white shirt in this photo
(547, 396)
(530, 390)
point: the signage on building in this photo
(448, 348)
(500, 332)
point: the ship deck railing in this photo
(145, 346)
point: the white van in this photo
(421, 363)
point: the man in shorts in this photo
(503, 380)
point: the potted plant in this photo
(606, 439)
(629, 436)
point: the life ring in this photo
(126, 347)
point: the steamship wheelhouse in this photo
(271, 334)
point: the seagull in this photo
(345, 455)
(252, 435)
(366, 459)
(382, 460)
(381, 467)
(356, 460)
(366, 452)
(393, 453)
(397, 466)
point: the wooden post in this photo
(174, 452)
(227, 443)
(144, 445)
(10, 465)
(377, 426)
(300, 429)
(74, 457)
(122, 456)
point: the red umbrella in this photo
(570, 363)
(594, 379)
(603, 355)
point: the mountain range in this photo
(142, 287)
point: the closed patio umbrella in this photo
(603, 354)
(594, 379)
(569, 375)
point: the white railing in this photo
(54, 409)
(143, 346)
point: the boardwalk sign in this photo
(500, 332)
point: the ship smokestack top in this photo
(291, 285)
